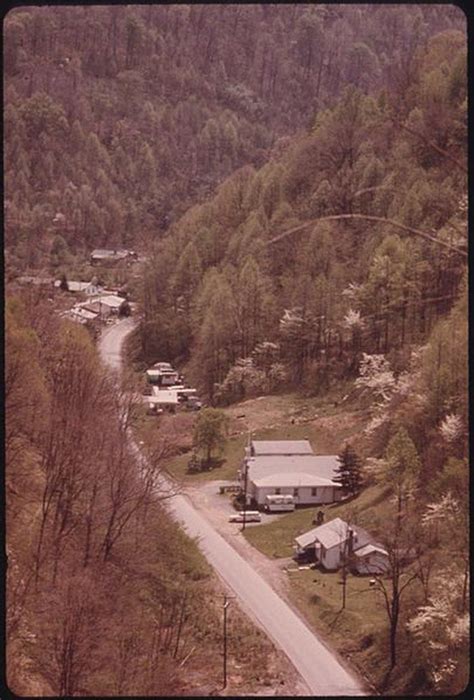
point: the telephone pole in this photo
(247, 457)
(226, 605)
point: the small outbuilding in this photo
(370, 559)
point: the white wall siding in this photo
(324, 494)
(331, 558)
(373, 563)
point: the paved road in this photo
(320, 668)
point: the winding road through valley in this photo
(320, 668)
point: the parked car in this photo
(251, 516)
(193, 404)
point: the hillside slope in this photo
(120, 117)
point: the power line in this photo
(366, 217)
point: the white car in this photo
(251, 516)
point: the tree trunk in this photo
(393, 632)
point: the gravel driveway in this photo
(217, 508)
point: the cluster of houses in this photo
(97, 305)
(165, 390)
(288, 470)
(99, 309)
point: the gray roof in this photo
(324, 466)
(106, 253)
(329, 534)
(369, 548)
(75, 286)
(111, 300)
(294, 479)
(335, 532)
(281, 447)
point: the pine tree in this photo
(63, 285)
(349, 471)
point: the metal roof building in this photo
(280, 447)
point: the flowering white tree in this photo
(352, 320)
(452, 515)
(376, 374)
(451, 427)
(441, 630)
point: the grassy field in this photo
(280, 417)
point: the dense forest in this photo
(353, 239)
(120, 118)
(296, 176)
(95, 605)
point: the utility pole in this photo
(347, 553)
(247, 457)
(226, 605)
(245, 494)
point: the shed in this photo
(371, 559)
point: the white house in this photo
(335, 540)
(105, 306)
(309, 478)
(330, 542)
(163, 399)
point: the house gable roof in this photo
(281, 447)
(293, 479)
(329, 534)
(369, 549)
(335, 532)
(323, 466)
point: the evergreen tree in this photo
(349, 471)
(63, 285)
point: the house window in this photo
(295, 493)
(314, 491)
(277, 492)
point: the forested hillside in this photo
(106, 596)
(225, 284)
(296, 179)
(121, 117)
(342, 262)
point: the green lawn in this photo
(360, 630)
(233, 455)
